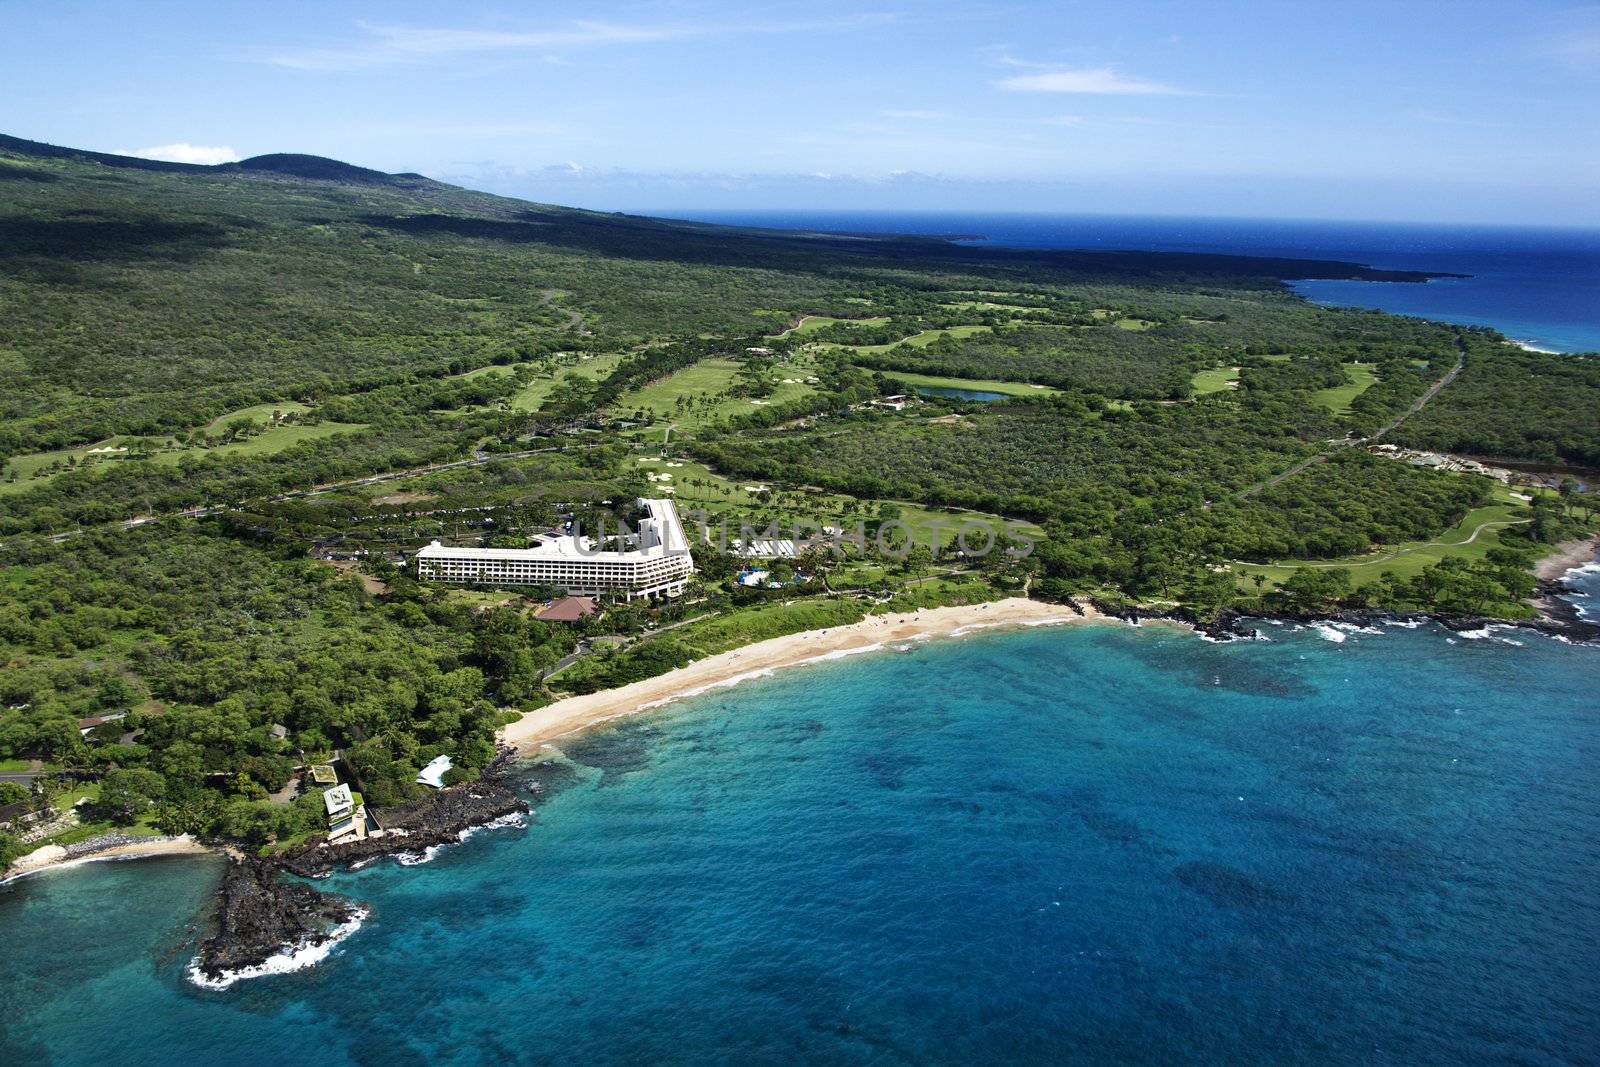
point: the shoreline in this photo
(1567, 556)
(56, 858)
(577, 713)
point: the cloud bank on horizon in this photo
(207, 155)
(1429, 110)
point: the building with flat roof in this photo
(654, 562)
(346, 815)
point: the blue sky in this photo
(1451, 111)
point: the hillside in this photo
(233, 399)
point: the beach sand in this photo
(53, 856)
(582, 712)
(1567, 555)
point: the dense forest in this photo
(204, 371)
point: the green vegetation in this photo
(1339, 398)
(1513, 404)
(230, 356)
(977, 385)
(1214, 380)
(1474, 537)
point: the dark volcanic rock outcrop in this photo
(259, 916)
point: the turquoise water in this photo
(1089, 844)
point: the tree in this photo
(1316, 588)
(126, 794)
(10, 849)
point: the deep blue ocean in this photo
(1092, 844)
(1538, 285)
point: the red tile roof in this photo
(568, 609)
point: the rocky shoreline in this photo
(1557, 618)
(262, 916)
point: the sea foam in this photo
(297, 958)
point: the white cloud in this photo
(389, 45)
(209, 155)
(1096, 80)
(1064, 120)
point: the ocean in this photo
(1537, 285)
(1086, 844)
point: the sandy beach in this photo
(582, 712)
(1567, 555)
(53, 856)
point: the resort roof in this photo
(324, 774)
(661, 534)
(568, 609)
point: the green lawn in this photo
(988, 305)
(257, 413)
(705, 382)
(983, 385)
(813, 323)
(916, 340)
(530, 396)
(696, 486)
(268, 441)
(1472, 538)
(493, 368)
(1338, 399)
(1214, 380)
(32, 470)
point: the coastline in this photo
(578, 713)
(54, 857)
(1567, 556)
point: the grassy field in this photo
(813, 323)
(983, 385)
(1471, 538)
(481, 371)
(274, 440)
(530, 396)
(916, 340)
(257, 413)
(1360, 377)
(1214, 380)
(988, 305)
(697, 486)
(704, 383)
(33, 470)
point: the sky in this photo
(1458, 111)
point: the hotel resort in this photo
(652, 563)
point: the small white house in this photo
(345, 816)
(433, 774)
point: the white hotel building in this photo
(657, 564)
